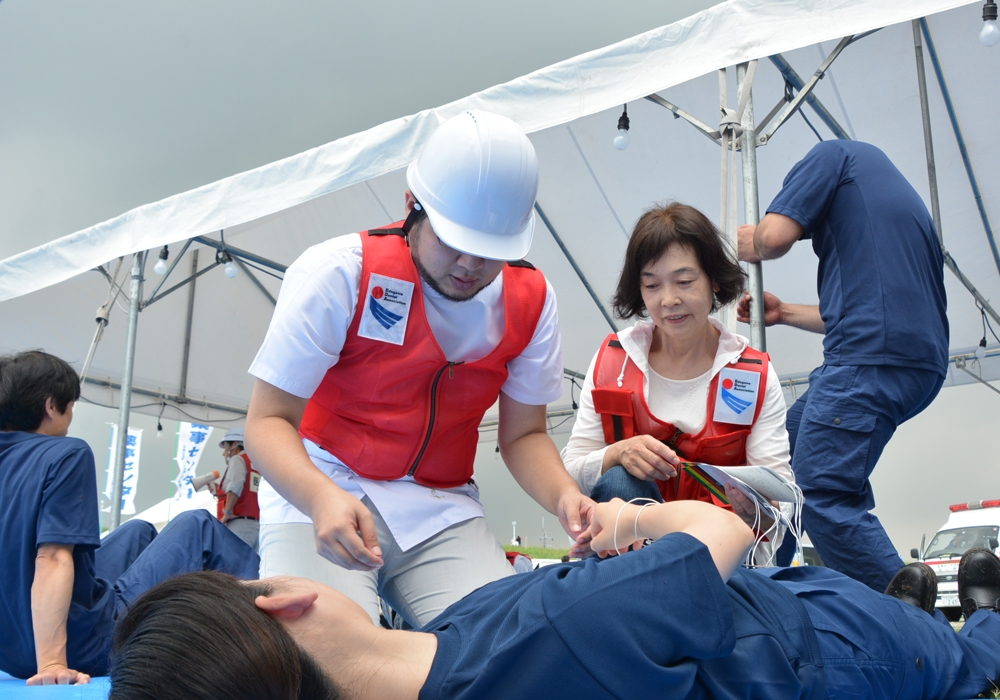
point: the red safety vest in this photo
(246, 505)
(625, 413)
(387, 410)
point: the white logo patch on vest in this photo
(387, 308)
(736, 400)
(254, 482)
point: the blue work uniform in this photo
(660, 623)
(885, 353)
(48, 495)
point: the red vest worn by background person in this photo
(625, 413)
(393, 405)
(246, 505)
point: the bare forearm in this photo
(775, 235)
(231, 499)
(51, 593)
(279, 455)
(802, 316)
(534, 462)
(725, 535)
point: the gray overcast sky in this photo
(109, 104)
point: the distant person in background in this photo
(882, 309)
(62, 586)
(237, 493)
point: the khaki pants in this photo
(419, 584)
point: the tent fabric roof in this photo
(724, 35)
(590, 192)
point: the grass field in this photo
(538, 552)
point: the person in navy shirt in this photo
(882, 309)
(676, 619)
(62, 586)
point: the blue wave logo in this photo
(735, 402)
(382, 314)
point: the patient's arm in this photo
(51, 592)
(727, 537)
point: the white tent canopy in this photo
(590, 192)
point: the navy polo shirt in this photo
(654, 623)
(48, 495)
(881, 271)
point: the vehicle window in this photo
(956, 542)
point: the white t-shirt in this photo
(307, 333)
(683, 403)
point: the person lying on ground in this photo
(63, 586)
(675, 619)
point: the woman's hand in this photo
(747, 509)
(644, 457)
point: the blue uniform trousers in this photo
(874, 646)
(838, 429)
(618, 483)
(134, 558)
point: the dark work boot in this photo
(979, 581)
(915, 584)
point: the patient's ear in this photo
(287, 606)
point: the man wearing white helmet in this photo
(385, 350)
(237, 493)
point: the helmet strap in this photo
(413, 217)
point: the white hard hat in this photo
(234, 435)
(477, 178)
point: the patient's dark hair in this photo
(655, 232)
(199, 636)
(26, 380)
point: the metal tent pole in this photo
(932, 172)
(576, 268)
(186, 351)
(135, 297)
(751, 207)
(966, 160)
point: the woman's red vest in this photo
(246, 505)
(625, 413)
(388, 411)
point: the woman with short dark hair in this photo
(677, 385)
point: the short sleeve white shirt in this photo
(314, 311)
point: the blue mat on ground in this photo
(15, 689)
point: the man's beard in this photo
(433, 284)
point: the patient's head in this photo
(205, 635)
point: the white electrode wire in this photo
(614, 534)
(792, 525)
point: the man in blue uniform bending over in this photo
(885, 351)
(676, 619)
(61, 586)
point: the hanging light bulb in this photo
(223, 257)
(159, 429)
(161, 265)
(621, 140)
(990, 34)
(981, 349)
